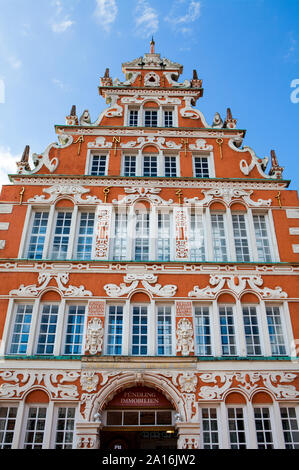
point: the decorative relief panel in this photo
(181, 233)
(102, 229)
(113, 290)
(44, 279)
(136, 193)
(94, 336)
(16, 383)
(185, 337)
(237, 284)
(74, 190)
(227, 194)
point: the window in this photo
(38, 235)
(290, 427)
(8, 417)
(164, 331)
(262, 238)
(98, 165)
(150, 165)
(139, 330)
(196, 239)
(202, 331)
(129, 165)
(61, 235)
(163, 241)
(251, 327)
(139, 418)
(150, 118)
(21, 329)
(236, 428)
(85, 236)
(275, 331)
(263, 428)
(240, 237)
(210, 428)
(142, 236)
(65, 426)
(47, 329)
(168, 118)
(227, 331)
(170, 167)
(201, 167)
(115, 330)
(74, 330)
(35, 427)
(120, 236)
(219, 237)
(133, 118)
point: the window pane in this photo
(35, 428)
(196, 239)
(130, 165)
(227, 330)
(290, 427)
(170, 167)
(164, 331)
(163, 237)
(240, 237)
(38, 235)
(263, 428)
(21, 329)
(142, 236)
(201, 167)
(115, 330)
(275, 331)
(262, 238)
(150, 166)
(74, 330)
(219, 237)
(210, 428)
(65, 428)
(236, 428)
(120, 236)
(85, 236)
(48, 322)
(151, 118)
(61, 235)
(251, 329)
(7, 425)
(202, 331)
(98, 165)
(139, 331)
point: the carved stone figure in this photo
(217, 122)
(85, 118)
(185, 341)
(94, 337)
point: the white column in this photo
(60, 328)
(231, 255)
(272, 236)
(252, 442)
(50, 229)
(153, 233)
(126, 338)
(131, 233)
(33, 336)
(239, 330)
(48, 426)
(215, 327)
(151, 329)
(72, 236)
(224, 437)
(208, 232)
(19, 426)
(251, 236)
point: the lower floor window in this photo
(7, 426)
(65, 428)
(35, 428)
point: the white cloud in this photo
(179, 20)
(106, 13)
(146, 19)
(15, 62)
(7, 164)
(61, 26)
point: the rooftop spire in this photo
(152, 45)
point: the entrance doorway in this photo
(139, 418)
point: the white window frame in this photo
(55, 422)
(158, 111)
(236, 338)
(237, 213)
(29, 229)
(287, 338)
(40, 313)
(5, 431)
(47, 428)
(66, 316)
(210, 406)
(296, 407)
(245, 420)
(137, 164)
(148, 335)
(124, 326)
(172, 335)
(260, 328)
(270, 408)
(12, 326)
(74, 243)
(226, 237)
(90, 155)
(212, 338)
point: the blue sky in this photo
(53, 53)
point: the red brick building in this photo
(149, 279)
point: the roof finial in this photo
(152, 45)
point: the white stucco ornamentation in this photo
(188, 382)
(89, 381)
(136, 193)
(16, 383)
(113, 290)
(248, 382)
(151, 79)
(94, 336)
(185, 339)
(160, 142)
(228, 194)
(114, 110)
(259, 163)
(201, 144)
(44, 279)
(44, 158)
(237, 284)
(75, 191)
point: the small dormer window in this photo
(152, 79)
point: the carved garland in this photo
(113, 290)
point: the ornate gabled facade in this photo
(149, 279)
